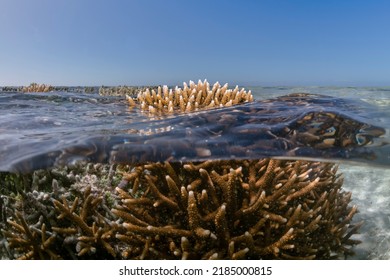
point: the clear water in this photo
(38, 130)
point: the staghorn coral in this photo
(31, 241)
(86, 228)
(190, 98)
(74, 211)
(206, 210)
(235, 210)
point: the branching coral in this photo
(71, 221)
(32, 241)
(87, 227)
(190, 98)
(206, 210)
(239, 209)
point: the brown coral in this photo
(88, 228)
(30, 241)
(235, 209)
(72, 221)
(247, 209)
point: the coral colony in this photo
(34, 87)
(189, 98)
(216, 209)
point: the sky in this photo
(145, 42)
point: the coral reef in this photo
(236, 209)
(206, 210)
(34, 87)
(10, 89)
(190, 98)
(130, 91)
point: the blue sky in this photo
(264, 42)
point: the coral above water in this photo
(34, 87)
(130, 91)
(190, 98)
(205, 210)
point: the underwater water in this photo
(41, 130)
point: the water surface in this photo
(39, 130)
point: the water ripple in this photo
(42, 130)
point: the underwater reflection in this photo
(293, 126)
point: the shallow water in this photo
(39, 130)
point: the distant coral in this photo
(34, 87)
(10, 89)
(122, 90)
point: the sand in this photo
(370, 189)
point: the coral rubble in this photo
(206, 210)
(190, 98)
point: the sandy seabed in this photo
(370, 187)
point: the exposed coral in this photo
(130, 91)
(190, 98)
(34, 87)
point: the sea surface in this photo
(39, 130)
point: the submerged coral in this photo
(235, 210)
(190, 98)
(62, 215)
(206, 210)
